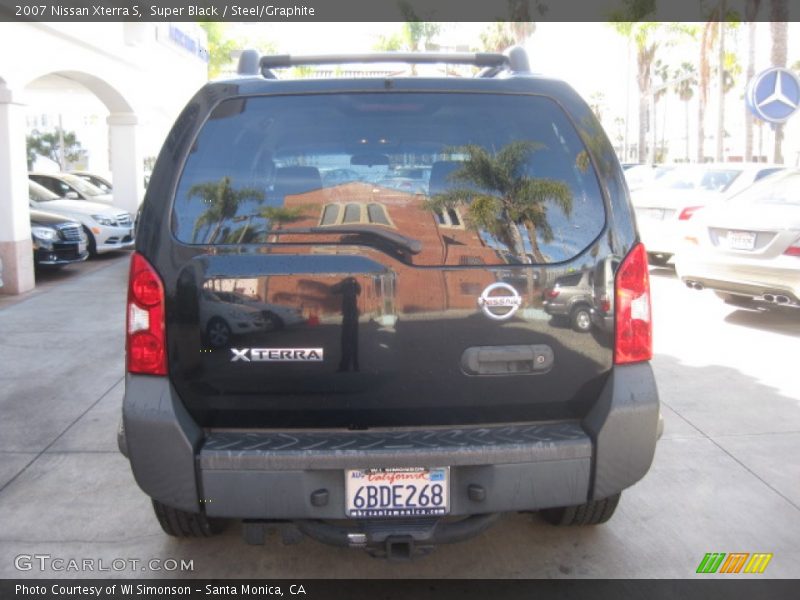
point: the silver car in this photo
(570, 297)
(664, 209)
(748, 248)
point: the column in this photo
(126, 163)
(16, 250)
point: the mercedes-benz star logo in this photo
(777, 95)
(499, 306)
(774, 95)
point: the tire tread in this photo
(180, 523)
(594, 512)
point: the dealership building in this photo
(118, 86)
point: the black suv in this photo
(415, 388)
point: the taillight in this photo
(145, 340)
(633, 323)
(553, 293)
(794, 249)
(687, 212)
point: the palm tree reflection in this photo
(502, 200)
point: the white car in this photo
(747, 249)
(664, 208)
(71, 187)
(107, 228)
(221, 319)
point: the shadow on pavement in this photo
(783, 321)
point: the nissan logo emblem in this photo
(502, 305)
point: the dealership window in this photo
(355, 213)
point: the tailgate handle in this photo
(506, 360)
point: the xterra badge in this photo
(276, 354)
(499, 306)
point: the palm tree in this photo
(779, 28)
(685, 76)
(750, 13)
(643, 35)
(500, 199)
(222, 202)
(709, 35)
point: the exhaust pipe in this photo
(769, 298)
(694, 285)
(781, 299)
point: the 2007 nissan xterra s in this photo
(316, 347)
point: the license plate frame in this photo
(392, 497)
(741, 240)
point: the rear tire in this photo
(581, 318)
(590, 513)
(179, 523)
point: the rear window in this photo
(501, 179)
(781, 189)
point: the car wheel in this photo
(179, 523)
(276, 323)
(218, 332)
(737, 301)
(581, 319)
(590, 513)
(91, 244)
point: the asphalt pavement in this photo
(726, 476)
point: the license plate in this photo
(397, 492)
(741, 240)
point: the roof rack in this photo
(515, 60)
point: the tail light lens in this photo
(794, 249)
(146, 339)
(553, 293)
(688, 212)
(634, 327)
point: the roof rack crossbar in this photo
(479, 59)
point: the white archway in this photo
(125, 166)
(125, 157)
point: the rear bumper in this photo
(280, 474)
(739, 275)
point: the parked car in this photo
(71, 187)
(747, 249)
(276, 315)
(664, 208)
(571, 298)
(642, 176)
(423, 396)
(57, 241)
(100, 182)
(221, 319)
(106, 228)
(602, 282)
